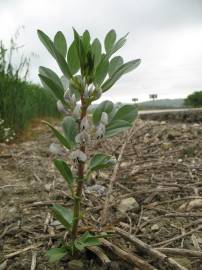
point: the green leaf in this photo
(96, 49)
(59, 136)
(100, 161)
(47, 72)
(86, 40)
(118, 44)
(62, 64)
(121, 120)
(60, 43)
(80, 50)
(105, 106)
(101, 70)
(47, 42)
(65, 171)
(116, 127)
(53, 86)
(73, 58)
(114, 64)
(123, 69)
(87, 240)
(56, 254)
(69, 126)
(63, 215)
(109, 41)
(126, 112)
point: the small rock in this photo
(196, 125)
(75, 265)
(98, 189)
(48, 187)
(155, 227)
(127, 205)
(166, 146)
(163, 123)
(194, 204)
(12, 210)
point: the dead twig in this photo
(33, 263)
(154, 253)
(113, 178)
(127, 256)
(100, 254)
(13, 254)
(167, 242)
(181, 252)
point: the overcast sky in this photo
(165, 34)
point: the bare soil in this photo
(161, 168)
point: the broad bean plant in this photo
(88, 72)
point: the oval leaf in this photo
(114, 64)
(100, 161)
(55, 89)
(105, 106)
(64, 215)
(110, 40)
(96, 49)
(47, 42)
(123, 69)
(102, 69)
(60, 43)
(59, 136)
(69, 126)
(73, 58)
(65, 171)
(56, 254)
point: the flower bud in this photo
(100, 131)
(73, 100)
(61, 107)
(104, 118)
(97, 93)
(84, 123)
(78, 156)
(65, 82)
(67, 96)
(82, 137)
(77, 111)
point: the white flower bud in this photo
(78, 156)
(97, 93)
(85, 93)
(77, 111)
(65, 82)
(100, 131)
(84, 123)
(61, 107)
(82, 137)
(104, 118)
(67, 96)
(73, 100)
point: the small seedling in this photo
(88, 72)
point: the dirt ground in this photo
(161, 169)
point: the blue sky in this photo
(165, 34)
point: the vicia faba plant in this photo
(88, 72)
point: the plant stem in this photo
(80, 180)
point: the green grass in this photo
(21, 102)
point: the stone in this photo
(127, 205)
(12, 210)
(194, 204)
(48, 187)
(155, 227)
(75, 265)
(98, 189)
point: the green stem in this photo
(80, 181)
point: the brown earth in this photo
(161, 168)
